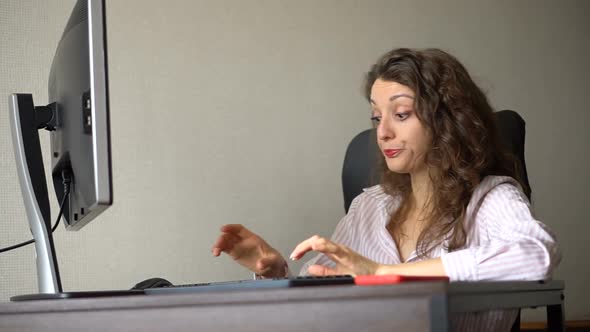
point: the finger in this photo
(315, 243)
(267, 264)
(225, 242)
(236, 229)
(325, 246)
(302, 248)
(320, 270)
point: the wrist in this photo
(383, 269)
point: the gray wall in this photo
(240, 112)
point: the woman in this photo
(449, 204)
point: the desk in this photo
(404, 307)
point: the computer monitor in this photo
(80, 142)
(77, 116)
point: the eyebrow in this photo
(394, 97)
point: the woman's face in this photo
(401, 137)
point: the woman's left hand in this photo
(347, 261)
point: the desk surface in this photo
(405, 307)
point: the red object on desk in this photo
(394, 279)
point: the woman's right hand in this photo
(250, 251)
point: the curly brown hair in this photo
(465, 145)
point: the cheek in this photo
(422, 145)
(420, 142)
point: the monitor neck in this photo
(26, 120)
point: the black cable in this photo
(66, 183)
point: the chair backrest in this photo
(360, 167)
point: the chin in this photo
(397, 168)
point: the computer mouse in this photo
(153, 283)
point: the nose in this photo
(385, 130)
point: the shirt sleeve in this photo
(512, 244)
(343, 234)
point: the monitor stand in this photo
(75, 295)
(26, 120)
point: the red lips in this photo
(390, 153)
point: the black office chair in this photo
(360, 169)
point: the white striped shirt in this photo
(504, 242)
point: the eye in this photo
(375, 116)
(402, 116)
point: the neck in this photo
(421, 189)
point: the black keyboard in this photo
(302, 281)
